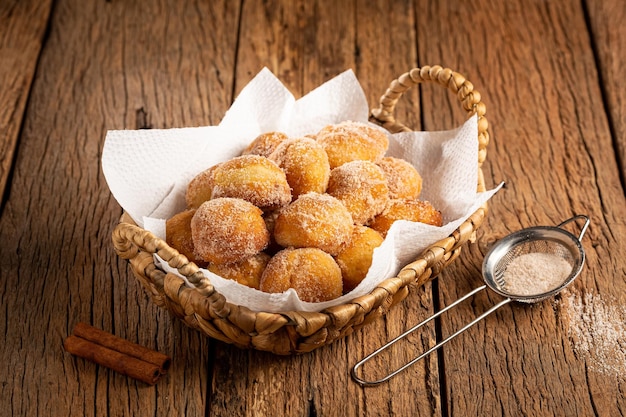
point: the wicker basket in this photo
(204, 309)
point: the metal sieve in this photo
(551, 240)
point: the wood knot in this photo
(141, 119)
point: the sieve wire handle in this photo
(578, 217)
(366, 383)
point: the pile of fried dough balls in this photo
(303, 213)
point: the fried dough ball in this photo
(316, 221)
(362, 187)
(253, 178)
(264, 144)
(226, 230)
(305, 163)
(350, 141)
(355, 257)
(270, 219)
(200, 188)
(270, 222)
(403, 180)
(178, 235)
(411, 210)
(247, 272)
(313, 273)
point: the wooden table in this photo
(551, 74)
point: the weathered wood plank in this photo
(608, 34)
(161, 64)
(22, 29)
(106, 65)
(535, 66)
(305, 44)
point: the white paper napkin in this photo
(148, 172)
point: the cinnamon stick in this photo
(124, 346)
(118, 354)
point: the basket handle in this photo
(455, 82)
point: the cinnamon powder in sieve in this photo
(535, 273)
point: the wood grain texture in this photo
(547, 72)
(608, 36)
(535, 67)
(106, 65)
(305, 44)
(22, 29)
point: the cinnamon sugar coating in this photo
(350, 141)
(362, 187)
(314, 220)
(178, 235)
(305, 163)
(303, 213)
(411, 210)
(200, 188)
(270, 221)
(313, 273)
(403, 180)
(265, 144)
(246, 272)
(252, 178)
(355, 257)
(226, 230)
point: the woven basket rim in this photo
(204, 308)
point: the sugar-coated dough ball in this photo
(247, 272)
(403, 179)
(314, 220)
(305, 163)
(362, 187)
(355, 257)
(178, 235)
(252, 178)
(270, 221)
(313, 273)
(226, 230)
(200, 188)
(350, 141)
(411, 210)
(264, 144)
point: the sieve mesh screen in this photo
(550, 264)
